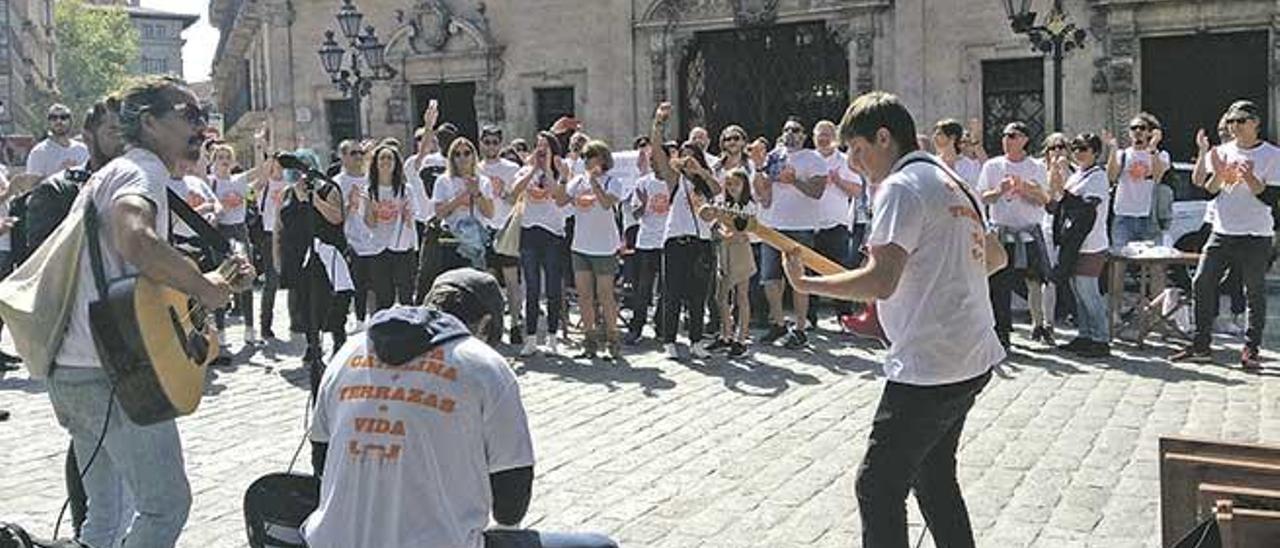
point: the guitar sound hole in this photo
(194, 344)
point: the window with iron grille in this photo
(1012, 91)
(552, 103)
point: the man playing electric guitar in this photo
(929, 259)
(164, 126)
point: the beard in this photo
(793, 140)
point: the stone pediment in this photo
(432, 27)
(743, 13)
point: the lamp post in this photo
(367, 58)
(1057, 36)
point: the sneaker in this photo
(776, 331)
(530, 348)
(516, 335)
(250, 336)
(670, 351)
(796, 339)
(1249, 359)
(1046, 335)
(1075, 345)
(1192, 354)
(736, 350)
(553, 347)
(718, 345)
(698, 350)
(1094, 349)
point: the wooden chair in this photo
(1247, 528)
(1195, 474)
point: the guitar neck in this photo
(812, 259)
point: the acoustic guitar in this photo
(155, 342)
(865, 324)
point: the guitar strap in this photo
(210, 237)
(964, 187)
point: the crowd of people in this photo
(508, 235)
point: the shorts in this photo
(600, 265)
(771, 259)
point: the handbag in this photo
(36, 299)
(507, 240)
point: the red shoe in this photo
(1249, 359)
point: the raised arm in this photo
(659, 160)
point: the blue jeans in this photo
(1091, 309)
(524, 538)
(1126, 229)
(145, 460)
(542, 258)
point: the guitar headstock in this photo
(740, 218)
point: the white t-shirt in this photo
(680, 216)
(540, 209)
(594, 231)
(448, 187)
(1238, 212)
(968, 169)
(354, 228)
(390, 231)
(436, 162)
(138, 173)
(502, 176)
(834, 204)
(792, 209)
(1011, 210)
(653, 224)
(232, 195)
(49, 157)
(1136, 187)
(411, 448)
(939, 319)
(1092, 183)
(197, 194)
(269, 204)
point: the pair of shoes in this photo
(1250, 359)
(670, 351)
(1094, 349)
(796, 339)
(1192, 354)
(530, 348)
(736, 350)
(719, 345)
(1042, 334)
(613, 348)
(516, 336)
(776, 331)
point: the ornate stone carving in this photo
(754, 13)
(430, 23)
(841, 30)
(864, 57)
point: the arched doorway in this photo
(757, 77)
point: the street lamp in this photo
(1057, 37)
(368, 58)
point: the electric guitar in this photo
(865, 324)
(154, 341)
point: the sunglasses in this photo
(462, 154)
(1240, 120)
(1138, 127)
(490, 142)
(793, 129)
(1056, 147)
(192, 113)
(1079, 148)
(59, 117)
(731, 138)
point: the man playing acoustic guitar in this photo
(927, 270)
(163, 124)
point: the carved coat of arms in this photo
(430, 22)
(754, 13)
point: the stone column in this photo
(1120, 67)
(279, 40)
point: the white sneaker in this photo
(697, 350)
(222, 338)
(670, 351)
(250, 336)
(553, 346)
(530, 348)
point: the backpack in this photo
(56, 194)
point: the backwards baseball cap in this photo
(490, 129)
(1243, 109)
(468, 294)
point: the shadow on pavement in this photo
(750, 377)
(609, 374)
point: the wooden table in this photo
(1147, 316)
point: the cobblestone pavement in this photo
(763, 452)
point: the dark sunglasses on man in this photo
(59, 117)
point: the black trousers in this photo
(646, 268)
(319, 308)
(914, 438)
(1001, 287)
(686, 264)
(362, 278)
(1250, 256)
(391, 274)
(833, 243)
(272, 283)
(244, 299)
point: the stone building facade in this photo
(518, 63)
(27, 66)
(159, 39)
